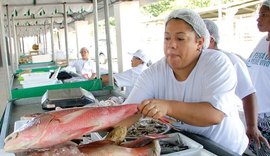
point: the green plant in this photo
(155, 9)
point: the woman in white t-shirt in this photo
(244, 88)
(259, 69)
(194, 87)
(127, 79)
(84, 66)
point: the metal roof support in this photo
(52, 41)
(66, 32)
(23, 49)
(108, 39)
(5, 78)
(77, 41)
(45, 40)
(10, 41)
(96, 37)
(16, 52)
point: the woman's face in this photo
(181, 46)
(264, 19)
(135, 61)
(84, 54)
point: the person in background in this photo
(258, 65)
(139, 63)
(244, 89)
(84, 66)
(193, 87)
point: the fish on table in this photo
(97, 148)
(113, 145)
(57, 127)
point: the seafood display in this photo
(56, 127)
(147, 127)
(53, 134)
(146, 146)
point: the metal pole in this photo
(10, 42)
(16, 52)
(95, 8)
(45, 40)
(108, 40)
(52, 41)
(6, 76)
(77, 41)
(23, 45)
(66, 33)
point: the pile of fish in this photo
(147, 126)
(112, 145)
(50, 133)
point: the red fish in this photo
(98, 148)
(108, 148)
(57, 127)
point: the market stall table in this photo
(20, 107)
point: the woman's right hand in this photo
(154, 108)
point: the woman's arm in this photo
(197, 113)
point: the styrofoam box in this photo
(35, 76)
(195, 148)
(41, 58)
(39, 83)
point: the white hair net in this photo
(194, 20)
(266, 3)
(213, 29)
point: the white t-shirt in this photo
(212, 80)
(129, 77)
(84, 67)
(259, 68)
(244, 85)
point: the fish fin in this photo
(144, 140)
(97, 144)
(156, 149)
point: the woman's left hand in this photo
(254, 134)
(154, 108)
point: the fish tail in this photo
(156, 149)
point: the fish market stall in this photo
(197, 145)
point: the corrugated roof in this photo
(31, 16)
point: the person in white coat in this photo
(244, 89)
(127, 79)
(194, 87)
(258, 65)
(84, 66)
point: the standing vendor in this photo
(259, 70)
(195, 87)
(139, 63)
(84, 66)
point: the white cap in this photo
(194, 20)
(141, 55)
